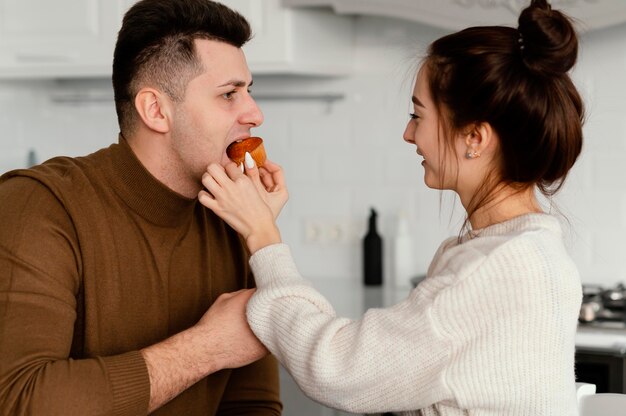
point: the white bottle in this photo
(403, 256)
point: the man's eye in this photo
(228, 95)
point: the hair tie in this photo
(520, 41)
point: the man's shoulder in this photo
(61, 173)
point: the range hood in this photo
(459, 14)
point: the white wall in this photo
(595, 197)
(344, 157)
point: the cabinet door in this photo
(295, 41)
(57, 38)
(76, 38)
(269, 21)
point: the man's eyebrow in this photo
(417, 102)
(236, 83)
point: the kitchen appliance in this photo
(603, 304)
(601, 338)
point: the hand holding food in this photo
(272, 185)
(248, 202)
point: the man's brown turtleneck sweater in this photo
(98, 259)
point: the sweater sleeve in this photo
(39, 284)
(367, 365)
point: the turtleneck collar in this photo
(144, 193)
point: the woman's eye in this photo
(413, 116)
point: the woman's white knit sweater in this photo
(490, 331)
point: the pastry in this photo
(236, 151)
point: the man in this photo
(108, 263)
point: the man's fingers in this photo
(245, 294)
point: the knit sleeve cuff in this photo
(272, 264)
(130, 383)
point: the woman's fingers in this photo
(266, 179)
(272, 176)
(233, 171)
(255, 174)
(278, 176)
(209, 182)
(217, 180)
(207, 200)
(251, 168)
(218, 173)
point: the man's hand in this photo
(221, 339)
(231, 334)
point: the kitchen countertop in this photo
(607, 337)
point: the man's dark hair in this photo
(155, 47)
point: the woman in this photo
(491, 329)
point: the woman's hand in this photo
(249, 203)
(271, 186)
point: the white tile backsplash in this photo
(343, 157)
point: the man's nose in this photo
(252, 115)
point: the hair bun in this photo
(550, 43)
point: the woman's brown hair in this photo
(517, 81)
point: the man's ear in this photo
(154, 109)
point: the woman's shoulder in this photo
(531, 243)
(528, 266)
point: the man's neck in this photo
(153, 154)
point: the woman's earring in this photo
(472, 154)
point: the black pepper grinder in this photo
(372, 254)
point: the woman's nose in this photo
(408, 133)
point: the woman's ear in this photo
(154, 109)
(479, 138)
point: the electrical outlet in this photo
(313, 231)
(326, 231)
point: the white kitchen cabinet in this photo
(60, 38)
(459, 14)
(296, 41)
(76, 38)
